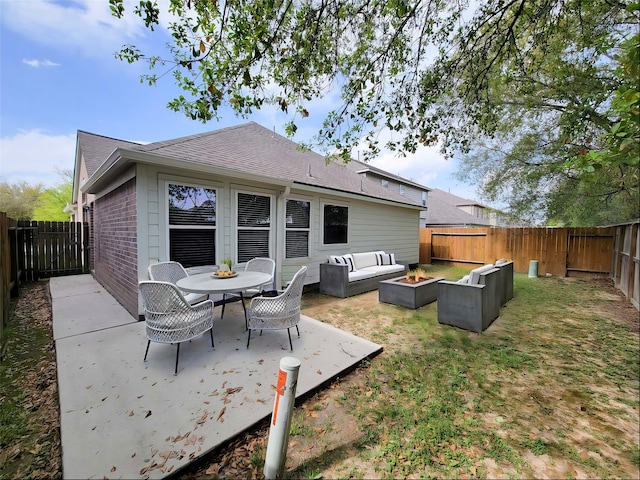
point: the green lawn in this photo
(551, 388)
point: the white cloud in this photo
(81, 27)
(40, 63)
(33, 156)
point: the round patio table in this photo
(206, 283)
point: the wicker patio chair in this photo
(172, 272)
(258, 264)
(264, 265)
(282, 311)
(169, 318)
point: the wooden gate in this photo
(52, 249)
(589, 252)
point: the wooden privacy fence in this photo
(570, 252)
(31, 250)
(5, 277)
(626, 262)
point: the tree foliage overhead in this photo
(545, 89)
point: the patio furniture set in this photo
(472, 303)
(178, 307)
(179, 304)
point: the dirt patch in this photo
(614, 304)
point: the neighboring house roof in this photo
(457, 201)
(361, 167)
(443, 210)
(250, 149)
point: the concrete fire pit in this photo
(398, 291)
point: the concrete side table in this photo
(410, 295)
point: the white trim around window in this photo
(297, 228)
(346, 234)
(199, 222)
(257, 232)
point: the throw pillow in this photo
(348, 261)
(334, 258)
(386, 258)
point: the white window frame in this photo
(168, 227)
(272, 221)
(324, 203)
(297, 229)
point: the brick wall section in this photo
(90, 240)
(115, 245)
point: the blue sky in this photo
(58, 75)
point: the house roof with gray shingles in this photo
(253, 149)
(96, 148)
(443, 210)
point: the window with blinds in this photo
(192, 225)
(297, 229)
(254, 226)
(335, 224)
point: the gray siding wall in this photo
(372, 226)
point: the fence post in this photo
(86, 268)
(13, 246)
(5, 277)
(281, 417)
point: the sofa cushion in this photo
(385, 258)
(344, 260)
(383, 269)
(369, 272)
(360, 275)
(474, 275)
(364, 259)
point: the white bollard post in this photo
(281, 417)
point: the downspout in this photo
(281, 211)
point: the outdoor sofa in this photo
(473, 302)
(351, 274)
(506, 280)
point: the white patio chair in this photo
(169, 318)
(172, 272)
(257, 264)
(264, 265)
(274, 313)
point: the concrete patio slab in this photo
(81, 305)
(125, 418)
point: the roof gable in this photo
(96, 148)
